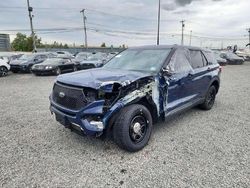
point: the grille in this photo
(39, 67)
(69, 97)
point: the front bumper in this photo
(19, 68)
(82, 118)
(44, 71)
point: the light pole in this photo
(249, 37)
(182, 31)
(30, 9)
(159, 17)
(85, 30)
(190, 39)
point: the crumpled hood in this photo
(94, 78)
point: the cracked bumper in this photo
(82, 119)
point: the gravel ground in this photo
(195, 149)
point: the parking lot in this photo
(195, 149)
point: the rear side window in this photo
(180, 61)
(196, 59)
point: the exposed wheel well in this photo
(3, 66)
(149, 104)
(143, 101)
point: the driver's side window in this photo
(180, 62)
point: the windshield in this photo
(27, 57)
(232, 56)
(81, 56)
(95, 57)
(146, 60)
(52, 60)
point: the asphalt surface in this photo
(195, 149)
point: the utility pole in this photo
(182, 31)
(30, 9)
(249, 37)
(190, 40)
(159, 17)
(85, 30)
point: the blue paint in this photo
(175, 91)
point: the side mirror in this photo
(166, 71)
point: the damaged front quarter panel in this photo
(152, 89)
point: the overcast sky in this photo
(131, 22)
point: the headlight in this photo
(48, 67)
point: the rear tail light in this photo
(220, 68)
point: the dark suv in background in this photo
(137, 88)
(26, 61)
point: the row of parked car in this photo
(230, 58)
(52, 62)
(62, 61)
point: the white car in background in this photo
(4, 67)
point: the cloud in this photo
(204, 17)
(180, 3)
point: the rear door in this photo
(200, 66)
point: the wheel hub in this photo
(137, 128)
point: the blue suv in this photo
(135, 89)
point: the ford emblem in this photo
(61, 94)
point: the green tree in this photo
(103, 45)
(65, 46)
(24, 43)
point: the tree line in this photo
(23, 42)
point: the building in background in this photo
(4, 42)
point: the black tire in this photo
(132, 128)
(210, 98)
(3, 71)
(74, 69)
(30, 69)
(58, 71)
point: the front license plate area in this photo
(63, 120)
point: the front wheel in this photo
(58, 71)
(74, 68)
(210, 99)
(133, 127)
(3, 71)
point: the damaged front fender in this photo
(153, 89)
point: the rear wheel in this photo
(132, 128)
(3, 71)
(210, 99)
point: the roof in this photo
(175, 46)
